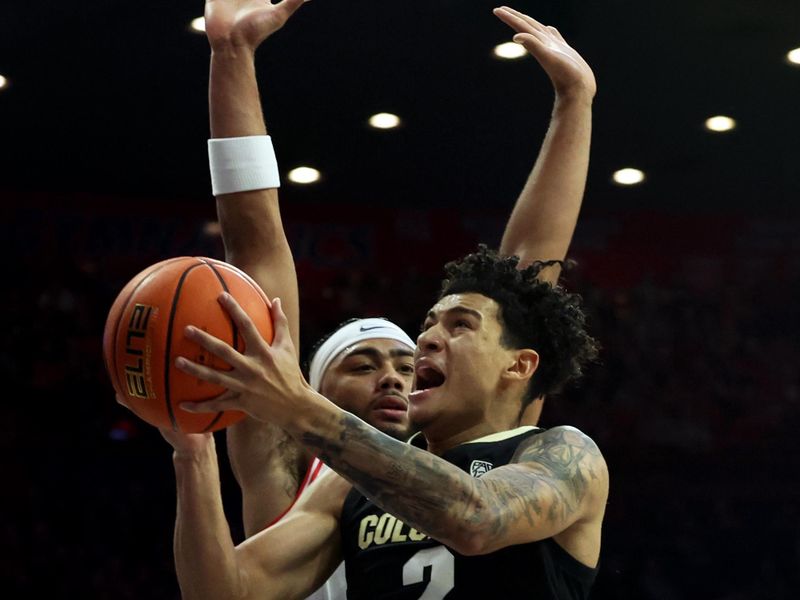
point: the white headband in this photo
(352, 333)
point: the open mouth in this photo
(428, 377)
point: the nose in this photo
(391, 379)
(429, 340)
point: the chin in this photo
(399, 431)
(418, 421)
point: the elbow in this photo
(470, 545)
(473, 540)
(235, 588)
(473, 537)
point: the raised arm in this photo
(251, 224)
(544, 217)
(266, 463)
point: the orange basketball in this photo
(144, 334)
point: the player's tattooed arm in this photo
(550, 486)
(414, 485)
(555, 479)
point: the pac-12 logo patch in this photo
(479, 468)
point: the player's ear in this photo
(524, 364)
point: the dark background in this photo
(691, 280)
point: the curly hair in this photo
(533, 314)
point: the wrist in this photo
(228, 49)
(573, 99)
(194, 453)
(318, 418)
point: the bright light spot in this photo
(304, 175)
(3, 82)
(628, 176)
(384, 121)
(720, 123)
(212, 229)
(794, 56)
(198, 24)
(510, 50)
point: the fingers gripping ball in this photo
(144, 334)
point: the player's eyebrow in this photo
(376, 354)
(433, 316)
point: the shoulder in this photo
(565, 453)
(564, 437)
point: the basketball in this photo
(144, 334)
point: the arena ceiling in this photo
(109, 97)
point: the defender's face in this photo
(372, 380)
(458, 363)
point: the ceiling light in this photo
(510, 50)
(3, 82)
(384, 121)
(720, 123)
(212, 229)
(628, 176)
(304, 175)
(198, 24)
(794, 56)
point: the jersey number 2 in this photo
(442, 566)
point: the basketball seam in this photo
(213, 422)
(167, 351)
(234, 332)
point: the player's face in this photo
(372, 380)
(458, 363)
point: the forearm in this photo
(252, 230)
(250, 221)
(233, 99)
(423, 490)
(544, 217)
(204, 551)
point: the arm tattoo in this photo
(414, 485)
(544, 485)
(565, 462)
(553, 473)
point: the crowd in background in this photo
(695, 402)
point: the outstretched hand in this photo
(566, 68)
(245, 23)
(264, 381)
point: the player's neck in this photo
(440, 442)
(454, 430)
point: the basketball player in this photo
(475, 507)
(269, 467)
(521, 204)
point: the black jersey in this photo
(386, 559)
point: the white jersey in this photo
(335, 588)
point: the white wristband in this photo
(241, 164)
